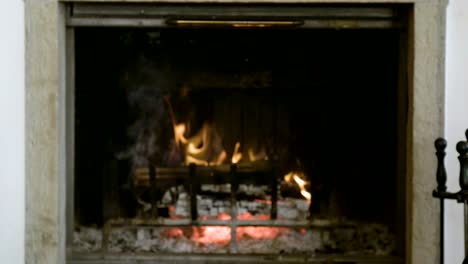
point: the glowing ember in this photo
(173, 232)
(223, 216)
(248, 216)
(221, 235)
(212, 235)
(300, 182)
(259, 232)
(237, 156)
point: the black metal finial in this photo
(440, 145)
(462, 148)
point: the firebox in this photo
(259, 133)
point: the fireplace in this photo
(261, 131)
(90, 200)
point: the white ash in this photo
(182, 206)
(211, 206)
(173, 245)
(291, 209)
(155, 240)
(87, 239)
(172, 194)
(370, 238)
(218, 188)
(253, 190)
(122, 240)
(291, 242)
(248, 189)
(364, 239)
(144, 240)
(211, 248)
(302, 205)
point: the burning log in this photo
(255, 172)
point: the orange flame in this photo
(179, 131)
(300, 182)
(257, 156)
(198, 148)
(236, 156)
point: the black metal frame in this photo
(441, 191)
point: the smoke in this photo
(149, 130)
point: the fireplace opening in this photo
(247, 140)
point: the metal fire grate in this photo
(192, 177)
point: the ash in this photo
(292, 242)
(156, 241)
(356, 238)
(87, 239)
(211, 206)
(365, 239)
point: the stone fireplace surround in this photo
(46, 124)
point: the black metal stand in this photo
(441, 191)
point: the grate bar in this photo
(137, 223)
(193, 191)
(274, 193)
(233, 221)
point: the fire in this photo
(199, 148)
(179, 131)
(212, 235)
(258, 232)
(221, 235)
(236, 156)
(300, 182)
(257, 156)
(203, 148)
(174, 232)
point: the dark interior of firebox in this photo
(323, 101)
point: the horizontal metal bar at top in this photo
(217, 10)
(115, 22)
(141, 15)
(161, 23)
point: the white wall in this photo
(456, 120)
(12, 122)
